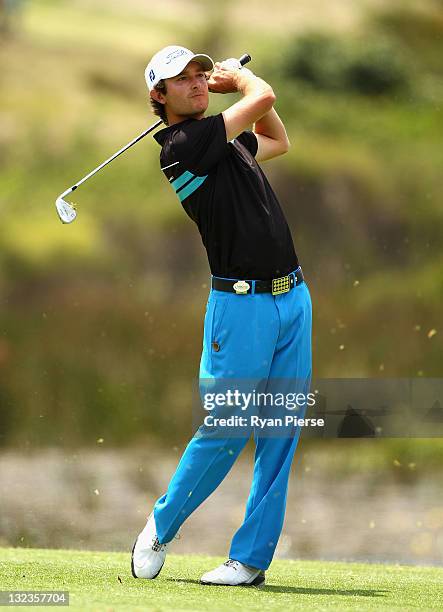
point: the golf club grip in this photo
(244, 59)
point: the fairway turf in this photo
(103, 581)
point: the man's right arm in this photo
(258, 98)
(255, 107)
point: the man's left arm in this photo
(271, 136)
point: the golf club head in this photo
(66, 211)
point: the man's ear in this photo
(158, 96)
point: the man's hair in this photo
(158, 108)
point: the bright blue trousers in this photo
(257, 336)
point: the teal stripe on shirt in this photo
(191, 187)
(182, 179)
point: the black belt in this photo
(274, 286)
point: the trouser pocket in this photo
(219, 318)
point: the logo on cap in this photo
(151, 75)
(175, 54)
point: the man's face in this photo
(186, 94)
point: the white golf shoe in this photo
(148, 555)
(234, 573)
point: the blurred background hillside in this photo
(101, 321)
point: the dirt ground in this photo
(99, 499)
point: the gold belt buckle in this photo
(281, 285)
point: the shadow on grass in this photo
(269, 588)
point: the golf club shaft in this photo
(122, 150)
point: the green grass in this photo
(102, 581)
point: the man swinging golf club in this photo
(258, 317)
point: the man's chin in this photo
(194, 113)
(197, 113)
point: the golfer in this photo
(258, 316)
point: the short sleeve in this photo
(249, 140)
(200, 144)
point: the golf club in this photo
(66, 210)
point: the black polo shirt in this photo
(223, 189)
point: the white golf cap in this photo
(170, 61)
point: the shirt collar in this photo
(161, 135)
